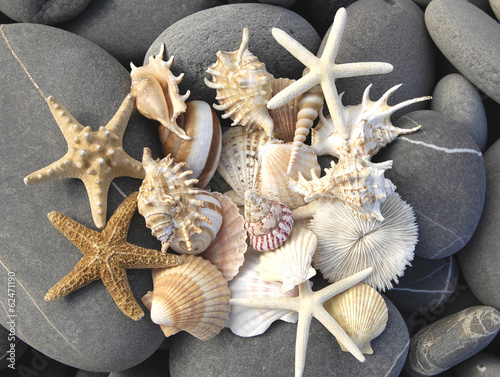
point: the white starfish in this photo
(309, 304)
(324, 71)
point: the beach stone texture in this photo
(450, 340)
(439, 171)
(42, 11)
(155, 366)
(483, 364)
(470, 40)
(85, 329)
(322, 12)
(194, 42)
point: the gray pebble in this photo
(155, 366)
(322, 11)
(42, 11)
(483, 364)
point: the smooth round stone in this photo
(272, 353)
(481, 4)
(439, 171)
(451, 340)
(483, 364)
(470, 40)
(84, 329)
(42, 11)
(322, 12)
(195, 51)
(155, 366)
(125, 29)
(426, 285)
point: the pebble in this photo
(155, 366)
(470, 39)
(42, 12)
(483, 364)
(322, 12)
(439, 171)
(84, 329)
(447, 342)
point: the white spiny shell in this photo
(362, 312)
(348, 243)
(193, 297)
(243, 87)
(284, 117)
(244, 321)
(291, 262)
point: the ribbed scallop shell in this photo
(202, 152)
(192, 297)
(268, 222)
(291, 262)
(243, 87)
(284, 117)
(362, 312)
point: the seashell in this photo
(168, 201)
(291, 262)
(202, 152)
(284, 117)
(355, 180)
(193, 298)
(245, 321)
(243, 87)
(157, 94)
(362, 312)
(348, 243)
(268, 222)
(228, 248)
(368, 125)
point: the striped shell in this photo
(284, 117)
(192, 297)
(362, 312)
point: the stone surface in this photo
(155, 366)
(85, 373)
(42, 11)
(280, 3)
(84, 329)
(195, 51)
(470, 40)
(439, 171)
(323, 11)
(451, 340)
(483, 364)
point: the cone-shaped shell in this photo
(193, 298)
(362, 312)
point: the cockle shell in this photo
(168, 201)
(362, 312)
(157, 94)
(268, 222)
(291, 262)
(202, 152)
(243, 87)
(369, 127)
(284, 117)
(194, 298)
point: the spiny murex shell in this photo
(243, 87)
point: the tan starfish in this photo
(106, 256)
(94, 157)
(309, 304)
(323, 70)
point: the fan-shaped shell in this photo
(284, 117)
(194, 298)
(362, 312)
(291, 262)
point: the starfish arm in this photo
(97, 191)
(335, 107)
(301, 342)
(335, 37)
(67, 123)
(362, 69)
(342, 285)
(119, 122)
(276, 303)
(131, 256)
(61, 168)
(296, 89)
(127, 166)
(301, 53)
(117, 229)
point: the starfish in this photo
(94, 157)
(106, 256)
(309, 304)
(323, 70)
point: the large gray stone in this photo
(483, 364)
(155, 366)
(42, 11)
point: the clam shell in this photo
(362, 312)
(284, 117)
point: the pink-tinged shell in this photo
(157, 94)
(284, 117)
(203, 151)
(244, 321)
(228, 248)
(268, 222)
(193, 298)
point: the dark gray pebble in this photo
(483, 364)
(42, 11)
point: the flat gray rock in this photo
(439, 171)
(470, 40)
(155, 366)
(483, 364)
(451, 340)
(84, 329)
(42, 11)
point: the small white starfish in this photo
(324, 71)
(309, 304)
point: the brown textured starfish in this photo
(94, 157)
(106, 256)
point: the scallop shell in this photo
(194, 298)
(157, 94)
(362, 312)
(268, 222)
(244, 321)
(228, 248)
(168, 201)
(291, 262)
(284, 117)
(243, 87)
(202, 152)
